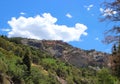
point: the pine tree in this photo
(27, 60)
(114, 49)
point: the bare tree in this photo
(111, 12)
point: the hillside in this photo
(68, 53)
(28, 61)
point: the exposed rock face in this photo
(68, 53)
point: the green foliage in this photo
(3, 66)
(16, 60)
(105, 77)
(27, 61)
(36, 77)
(16, 40)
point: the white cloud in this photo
(107, 12)
(89, 7)
(45, 27)
(5, 29)
(22, 13)
(101, 10)
(68, 15)
(97, 39)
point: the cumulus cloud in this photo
(68, 15)
(107, 12)
(89, 7)
(45, 27)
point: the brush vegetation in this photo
(21, 64)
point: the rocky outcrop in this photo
(68, 53)
(4, 79)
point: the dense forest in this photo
(22, 64)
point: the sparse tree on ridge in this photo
(111, 12)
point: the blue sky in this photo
(73, 21)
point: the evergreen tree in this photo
(114, 49)
(27, 60)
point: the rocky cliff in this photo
(68, 53)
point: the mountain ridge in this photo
(68, 53)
